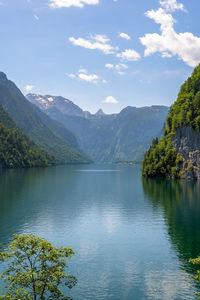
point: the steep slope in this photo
(111, 138)
(57, 128)
(26, 117)
(16, 149)
(177, 154)
(133, 129)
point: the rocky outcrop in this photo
(187, 143)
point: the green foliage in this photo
(16, 149)
(196, 261)
(186, 109)
(162, 160)
(15, 152)
(36, 269)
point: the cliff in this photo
(186, 141)
(177, 154)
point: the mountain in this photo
(100, 113)
(177, 154)
(38, 126)
(57, 128)
(110, 138)
(64, 105)
(16, 149)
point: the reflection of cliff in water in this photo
(180, 202)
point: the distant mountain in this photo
(16, 149)
(45, 133)
(62, 104)
(57, 128)
(100, 113)
(111, 138)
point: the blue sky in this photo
(100, 53)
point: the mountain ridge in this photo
(111, 137)
(26, 118)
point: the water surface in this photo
(132, 237)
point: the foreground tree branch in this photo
(36, 269)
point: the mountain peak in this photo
(3, 77)
(100, 113)
(48, 102)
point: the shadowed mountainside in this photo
(106, 138)
(46, 133)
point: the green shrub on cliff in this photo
(162, 160)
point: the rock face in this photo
(187, 143)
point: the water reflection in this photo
(118, 225)
(23, 194)
(180, 204)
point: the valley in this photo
(106, 137)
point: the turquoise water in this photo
(132, 237)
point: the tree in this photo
(36, 269)
(196, 261)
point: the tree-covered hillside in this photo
(29, 120)
(16, 149)
(163, 158)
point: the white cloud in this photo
(170, 43)
(166, 55)
(110, 100)
(69, 3)
(109, 66)
(161, 17)
(119, 68)
(83, 75)
(89, 78)
(102, 38)
(124, 36)
(121, 73)
(71, 75)
(36, 17)
(129, 54)
(29, 87)
(94, 45)
(82, 71)
(171, 5)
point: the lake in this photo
(132, 237)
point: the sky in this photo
(105, 54)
